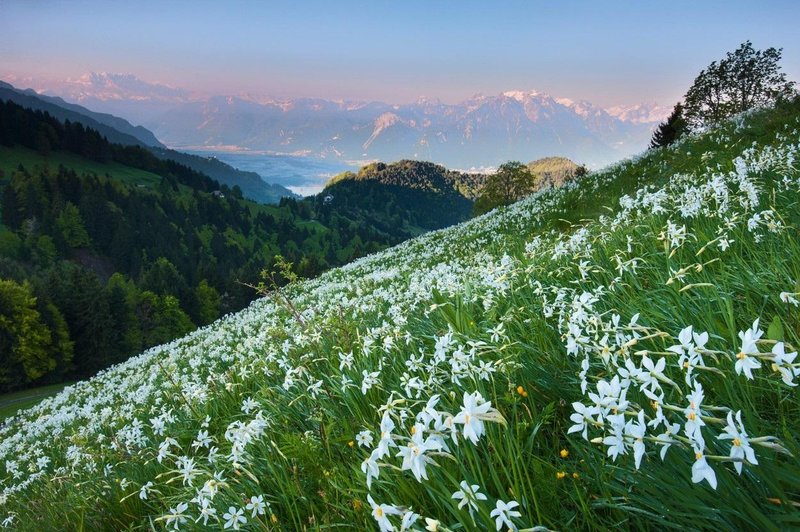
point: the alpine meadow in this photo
(531, 346)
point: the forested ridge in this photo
(100, 268)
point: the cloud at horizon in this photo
(608, 54)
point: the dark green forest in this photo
(95, 269)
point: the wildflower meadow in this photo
(617, 352)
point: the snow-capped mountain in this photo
(481, 131)
(643, 113)
(120, 94)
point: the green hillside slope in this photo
(618, 352)
(554, 171)
(12, 157)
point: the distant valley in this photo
(302, 175)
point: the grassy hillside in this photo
(553, 170)
(582, 359)
(11, 403)
(12, 157)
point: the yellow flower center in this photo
(741, 355)
(413, 430)
(379, 512)
(691, 416)
(698, 456)
(466, 419)
(737, 442)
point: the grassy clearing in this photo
(380, 393)
(11, 403)
(11, 158)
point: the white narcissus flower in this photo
(632, 373)
(370, 467)
(653, 373)
(444, 425)
(700, 341)
(431, 525)
(234, 518)
(370, 380)
(206, 510)
(583, 373)
(380, 513)
(702, 471)
(611, 395)
(364, 438)
(656, 401)
(472, 415)
(386, 441)
(685, 339)
(667, 438)
(582, 418)
(788, 297)
(469, 495)
(503, 513)
(413, 454)
(637, 431)
(744, 362)
(408, 520)
(176, 516)
(346, 360)
(783, 363)
(144, 490)
(694, 414)
(257, 505)
(616, 441)
(740, 442)
(429, 412)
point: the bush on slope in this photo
(368, 410)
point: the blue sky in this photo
(606, 52)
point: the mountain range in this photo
(482, 131)
(119, 131)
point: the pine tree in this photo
(671, 129)
(70, 227)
